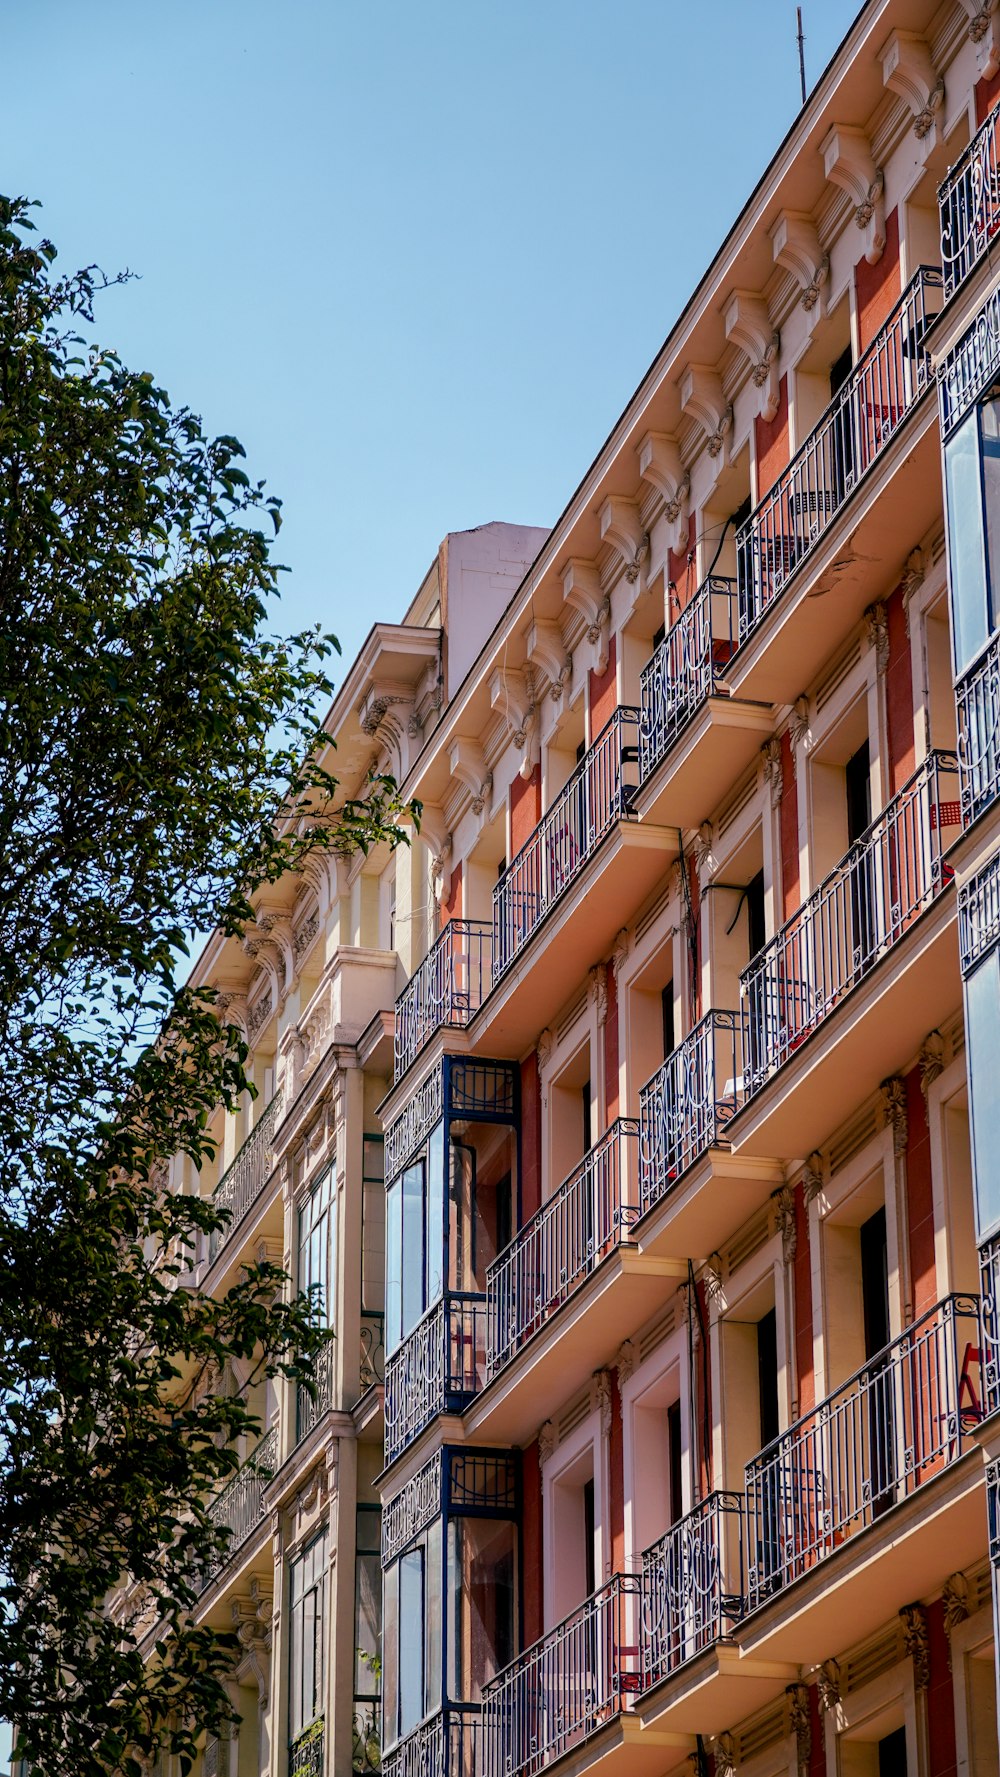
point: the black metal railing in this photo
(969, 204)
(448, 1744)
(977, 696)
(567, 1685)
(311, 1405)
(240, 1505)
(685, 1107)
(884, 1433)
(372, 1349)
(590, 1214)
(438, 1368)
(366, 1737)
(447, 989)
(692, 1586)
(886, 382)
(864, 907)
(599, 794)
(306, 1753)
(989, 1275)
(242, 1182)
(686, 668)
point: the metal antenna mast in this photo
(802, 54)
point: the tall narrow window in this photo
(317, 1248)
(307, 1651)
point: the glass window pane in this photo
(482, 1602)
(307, 1642)
(989, 420)
(390, 1645)
(413, 1246)
(435, 1213)
(393, 1266)
(982, 1011)
(966, 555)
(411, 1639)
(433, 1620)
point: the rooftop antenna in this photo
(802, 53)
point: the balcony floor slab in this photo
(580, 930)
(706, 1207)
(874, 1032)
(720, 1687)
(582, 1336)
(709, 756)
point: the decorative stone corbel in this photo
(511, 694)
(907, 69)
(784, 1217)
(233, 1008)
(984, 32)
(847, 162)
(619, 954)
(770, 753)
(626, 1361)
(599, 993)
(703, 400)
(894, 1114)
(470, 768)
(800, 1724)
(931, 1060)
(812, 1176)
(546, 651)
(621, 527)
(600, 1397)
(914, 1620)
(660, 465)
(583, 590)
(543, 1049)
(877, 634)
(914, 572)
(435, 834)
(795, 245)
(712, 1279)
(748, 325)
(546, 1442)
(724, 1753)
(705, 859)
(828, 1685)
(955, 1603)
(799, 727)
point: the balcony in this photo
(685, 1107)
(242, 1183)
(989, 1272)
(868, 906)
(825, 476)
(969, 205)
(437, 1369)
(306, 1755)
(446, 990)
(240, 1505)
(311, 1407)
(687, 675)
(570, 1684)
(372, 1367)
(895, 1425)
(977, 696)
(591, 1214)
(692, 1586)
(598, 795)
(446, 1745)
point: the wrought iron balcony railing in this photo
(686, 668)
(684, 1108)
(977, 695)
(887, 879)
(311, 1407)
(886, 382)
(887, 1431)
(372, 1349)
(692, 1586)
(437, 1369)
(989, 1273)
(969, 204)
(306, 1753)
(242, 1183)
(590, 1214)
(240, 1505)
(599, 794)
(447, 989)
(448, 1744)
(561, 1690)
(366, 1737)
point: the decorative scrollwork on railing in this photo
(241, 1185)
(306, 1754)
(405, 1516)
(978, 699)
(240, 1505)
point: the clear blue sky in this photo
(415, 254)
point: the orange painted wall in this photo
(899, 694)
(878, 286)
(682, 573)
(771, 443)
(603, 693)
(611, 1101)
(525, 809)
(616, 1465)
(788, 823)
(942, 1758)
(919, 1198)
(987, 92)
(802, 1283)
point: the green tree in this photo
(159, 762)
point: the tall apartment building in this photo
(653, 1093)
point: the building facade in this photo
(643, 1112)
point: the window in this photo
(307, 1652)
(982, 1024)
(972, 486)
(317, 1248)
(367, 1602)
(411, 1673)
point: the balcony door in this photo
(773, 1479)
(843, 442)
(864, 864)
(881, 1414)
